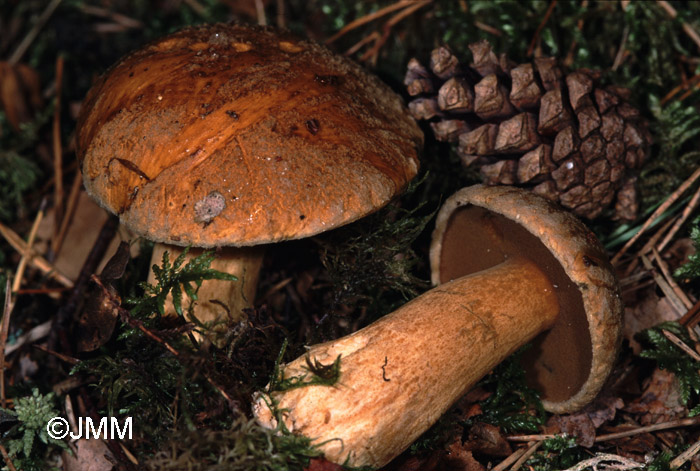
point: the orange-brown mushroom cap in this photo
(479, 227)
(238, 135)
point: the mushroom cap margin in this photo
(581, 256)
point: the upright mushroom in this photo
(234, 136)
(510, 268)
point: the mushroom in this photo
(230, 136)
(510, 268)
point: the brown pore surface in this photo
(236, 135)
(476, 239)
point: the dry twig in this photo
(687, 211)
(405, 7)
(688, 29)
(689, 422)
(36, 260)
(6, 457)
(655, 215)
(368, 18)
(126, 22)
(71, 205)
(681, 344)
(27, 253)
(515, 456)
(688, 454)
(688, 85)
(4, 331)
(34, 32)
(526, 456)
(617, 462)
(58, 150)
(373, 52)
(540, 27)
(679, 293)
(37, 332)
(135, 323)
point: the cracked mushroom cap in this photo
(239, 135)
(479, 227)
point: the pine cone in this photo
(564, 136)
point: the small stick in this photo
(681, 344)
(128, 319)
(531, 438)
(260, 11)
(687, 211)
(665, 287)
(648, 246)
(689, 318)
(686, 85)
(624, 463)
(34, 32)
(368, 18)
(26, 255)
(680, 294)
(374, 36)
(36, 333)
(659, 211)
(613, 436)
(540, 27)
(125, 21)
(130, 456)
(526, 456)
(491, 30)
(37, 260)
(6, 457)
(57, 242)
(689, 31)
(621, 51)
(510, 460)
(679, 460)
(650, 428)
(68, 359)
(569, 60)
(4, 330)
(58, 150)
(374, 50)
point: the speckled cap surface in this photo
(238, 135)
(572, 360)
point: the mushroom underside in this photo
(559, 360)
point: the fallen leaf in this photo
(660, 401)
(457, 458)
(603, 409)
(20, 93)
(576, 425)
(90, 455)
(99, 316)
(649, 311)
(487, 439)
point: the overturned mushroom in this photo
(510, 268)
(231, 136)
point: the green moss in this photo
(669, 356)
(244, 446)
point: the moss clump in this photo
(245, 446)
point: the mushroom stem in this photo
(218, 299)
(401, 373)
